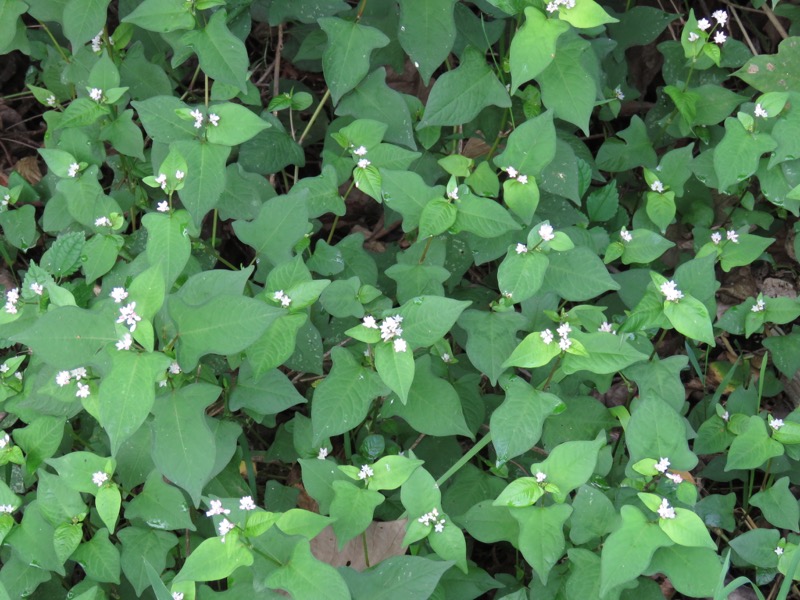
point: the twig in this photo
(744, 31)
(775, 22)
(276, 68)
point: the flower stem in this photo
(479, 445)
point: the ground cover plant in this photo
(399, 299)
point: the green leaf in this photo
(516, 425)
(568, 88)
(570, 464)
(521, 275)
(127, 394)
(162, 16)
(737, 154)
(223, 325)
(160, 120)
(19, 227)
(68, 336)
(427, 319)
(83, 19)
(646, 246)
(161, 505)
(635, 151)
(107, 503)
(459, 95)
(483, 217)
(184, 447)
(593, 515)
(10, 10)
(436, 218)
(533, 46)
(307, 578)
(427, 32)
(237, 124)
(520, 493)
(748, 249)
(450, 544)
(167, 245)
(586, 14)
(752, 447)
(412, 577)
(690, 317)
(693, 571)
(757, 547)
(343, 398)
(774, 72)
(213, 560)
(541, 536)
(345, 61)
(661, 209)
(280, 224)
(687, 529)
(142, 548)
(605, 354)
(395, 368)
(656, 430)
(531, 146)
(408, 194)
(99, 558)
(352, 507)
(491, 338)
(778, 505)
(222, 55)
(532, 352)
(391, 472)
(627, 552)
(594, 279)
(63, 258)
(205, 176)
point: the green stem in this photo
(366, 550)
(358, 18)
(214, 230)
(191, 83)
(425, 250)
(552, 372)
(55, 43)
(263, 554)
(310, 123)
(479, 445)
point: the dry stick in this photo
(744, 31)
(276, 69)
(671, 31)
(775, 22)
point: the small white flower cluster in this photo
(360, 151)
(662, 465)
(778, 550)
(6, 508)
(198, 118)
(97, 42)
(446, 358)
(390, 330)
(96, 94)
(4, 368)
(125, 343)
(64, 377)
(73, 169)
(671, 291)
(323, 453)
(162, 206)
(127, 315)
(730, 235)
(453, 194)
(759, 306)
(37, 288)
(364, 163)
(514, 174)
(162, 181)
(760, 112)
(225, 527)
(177, 595)
(102, 222)
(51, 100)
(665, 511)
(721, 17)
(118, 294)
(776, 424)
(657, 186)
(606, 327)
(6, 199)
(12, 297)
(555, 4)
(521, 249)
(546, 232)
(366, 471)
(99, 478)
(432, 518)
(5, 440)
(174, 368)
(563, 333)
(217, 509)
(625, 235)
(618, 93)
(282, 298)
(246, 503)
(213, 119)
(540, 477)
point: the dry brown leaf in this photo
(384, 540)
(28, 167)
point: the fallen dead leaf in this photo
(384, 540)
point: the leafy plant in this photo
(277, 321)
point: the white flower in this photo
(62, 378)
(225, 527)
(179, 175)
(446, 357)
(99, 478)
(732, 236)
(323, 453)
(366, 471)
(778, 550)
(174, 368)
(118, 294)
(564, 343)
(73, 169)
(703, 24)
(83, 391)
(125, 343)
(693, 37)
(606, 327)
(512, 172)
(721, 16)
(776, 424)
(162, 206)
(97, 42)
(564, 330)
(4, 368)
(96, 94)
(726, 416)
(540, 477)
(213, 119)
(51, 100)
(521, 248)
(37, 288)
(716, 237)
(657, 186)
(5, 440)
(547, 336)
(177, 595)
(390, 327)
(665, 511)
(360, 151)
(284, 299)
(439, 527)
(552, 7)
(760, 112)
(127, 315)
(453, 194)
(6, 508)
(546, 232)
(720, 37)
(369, 322)
(198, 118)
(675, 478)
(216, 509)
(618, 93)
(670, 290)
(12, 297)
(662, 465)
(523, 179)
(18, 375)
(102, 222)
(400, 345)
(759, 306)
(364, 163)
(79, 373)
(625, 235)
(162, 181)
(246, 503)
(162, 383)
